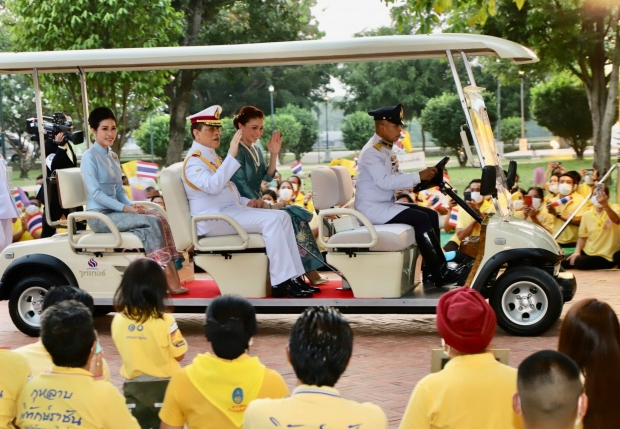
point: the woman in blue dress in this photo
(102, 174)
(254, 170)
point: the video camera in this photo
(52, 125)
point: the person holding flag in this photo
(564, 205)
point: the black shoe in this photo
(299, 281)
(435, 263)
(289, 289)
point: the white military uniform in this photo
(378, 177)
(210, 190)
(8, 209)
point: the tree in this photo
(70, 24)
(443, 117)
(290, 129)
(561, 105)
(228, 132)
(357, 129)
(309, 129)
(511, 130)
(161, 136)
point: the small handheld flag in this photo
(296, 168)
(147, 170)
(562, 201)
(454, 215)
(433, 201)
(18, 199)
(34, 221)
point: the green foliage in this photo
(443, 117)
(82, 24)
(309, 129)
(161, 136)
(357, 128)
(228, 132)
(290, 129)
(561, 105)
(511, 130)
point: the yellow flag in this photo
(130, 169)
(406, 141)
(350, 165)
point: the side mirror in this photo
(489, 184)
(512, 174)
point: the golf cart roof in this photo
(265, 54)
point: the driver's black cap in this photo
(393, 114)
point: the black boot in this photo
(289, 289)
(299, 281)
(434, 260)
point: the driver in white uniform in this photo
(206, 179)
(379, 176)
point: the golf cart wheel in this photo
(26, 302)
(527, 301)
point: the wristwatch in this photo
(559, 216)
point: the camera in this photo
(52, 125)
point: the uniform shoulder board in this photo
(378, 146)
(196, 154)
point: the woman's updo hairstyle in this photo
(231, 322)
(98, 115)
(246, 114)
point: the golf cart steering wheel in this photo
(436, 180)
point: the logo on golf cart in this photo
(92, 263)
(92, 270)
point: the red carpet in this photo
(209, 289)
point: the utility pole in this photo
(327, 156)
(151, 132)
(2, 142)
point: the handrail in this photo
(93, 215)
(245, 238)
(374, 238)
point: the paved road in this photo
(391, 352)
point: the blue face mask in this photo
(273, 183)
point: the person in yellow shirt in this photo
(213, 392)
(550, 392)
(37, 355)
(319, 349)
(147, 338)
(598, 247)
(473, 391)
(536, 212)
(67, 396)
(564, 205)
(20, 231)
(14, 373)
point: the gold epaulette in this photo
(378, 146)
(196, 154)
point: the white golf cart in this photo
(514, 263)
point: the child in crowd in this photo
(148, 339)
(14, 373)
(213, 392)
(270, 196)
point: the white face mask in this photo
(536, 202)
(565, 189)
(589, 180)
(553, 188)
(476, 197)
(594, 200)
(517, 204)
(285, 194)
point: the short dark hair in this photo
(156, 196)
(246, 114)
(270, 192)
(538, 190)
(65, 293)
(474, 181)
(320, 346)
(40, 176)
(142, 292)
(575, 176)
(403, 195)
(549, 386)
(230, 323)
(67, 333)
(98, 115)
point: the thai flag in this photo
(454, 215)
(355, 159)
(147, 170)
(433, 201)
(296, 168)
(562, 201)
(18, 199)
(34, 222)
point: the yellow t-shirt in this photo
(14, 373)
(313, 407)
(299, 201)
(471, 392)
(584, 190)
(69, 398)
(545, 218)
(17, 226)
(603, 235)
(184, 404)
(571, 232)
(40, 360)
(464, 219)
(149, 348)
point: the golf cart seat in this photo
(237, 261)
(377, 260)
(72, 193)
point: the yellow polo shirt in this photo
(313, 407)
(571, 232)
(70, 398)
(603, 235)
(14, 373)
(471, 392)
(184, 404)
(148, 348)
(545, 218)
(464, 219)
(40, 360)
(17, 226)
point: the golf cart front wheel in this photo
(26, 302)
(527, 301)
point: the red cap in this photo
(465, 320)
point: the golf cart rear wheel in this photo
(527, 301)
(26, 302)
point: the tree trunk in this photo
(178, 93)
(423, 140)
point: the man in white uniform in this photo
(378, 177)
(206, 179)
(8, 210)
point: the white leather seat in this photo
(392, 238)
(91, 239)
(256, 241)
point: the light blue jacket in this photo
(103, 178)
